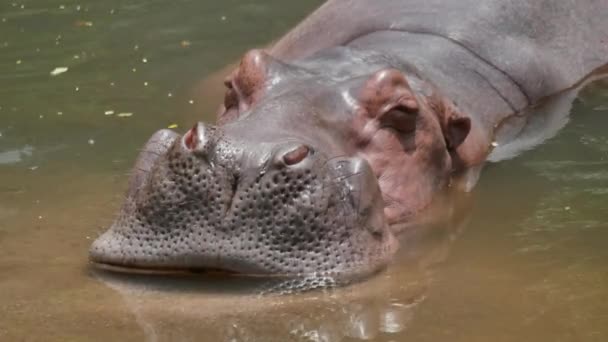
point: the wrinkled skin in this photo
(316, 158)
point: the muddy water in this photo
(523, 258)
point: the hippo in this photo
(344, 132)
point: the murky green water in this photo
(526, 262)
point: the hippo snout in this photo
(212, 200)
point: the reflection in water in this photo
(15, 156)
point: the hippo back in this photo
(542, 46)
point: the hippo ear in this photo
(458, 128)
(247, 83)
(454, 125)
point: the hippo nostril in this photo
(189, 139)
(196, 137)
(296, 155)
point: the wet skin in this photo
(327, 143)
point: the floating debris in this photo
(191, 102)
(144, 60)
(494, 144)
(59, 71)
(77, 88)
(108, 112)
(172, 126)
(82, 23)
(169, 95)
(567, 208)
(61, 7)
(601, 108)
(145, 84)
(134, 69)
(223, 18)
(185, 43)
(18, 62)
(33, 168)
(60, 113)
(91, 142)
(124, 115)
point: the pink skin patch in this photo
(190, 139)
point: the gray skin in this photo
(364, 114)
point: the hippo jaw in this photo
(282, 211)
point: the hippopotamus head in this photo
(304, 174)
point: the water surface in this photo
(524, 258)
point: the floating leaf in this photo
(172, 126)
(81, 23)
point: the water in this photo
(524, 259)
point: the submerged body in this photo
(348, 127)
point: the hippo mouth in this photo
(203, 203)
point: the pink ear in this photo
(385, 90)
(249, 79)
(456, 131)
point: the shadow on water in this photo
(522, 258)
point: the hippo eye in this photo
(230, 98)
(400, 119)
